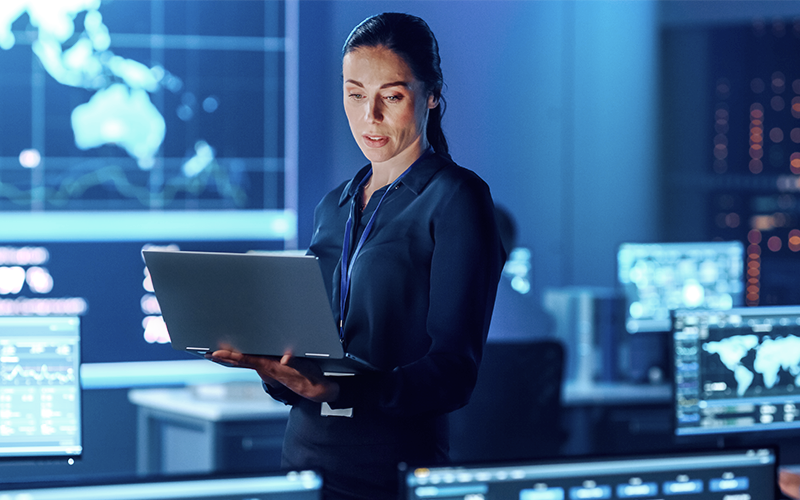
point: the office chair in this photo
(515, 409)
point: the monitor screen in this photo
(40, 397)
(304, 485)
(657, 278)
(737, 370)
(152, 121)
(197, 99)
(740, 474)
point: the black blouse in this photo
(421, 298)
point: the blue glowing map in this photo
(162, 131)
(772, 355)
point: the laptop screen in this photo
(741, 474)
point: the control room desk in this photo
(207, 429)
(188, 430)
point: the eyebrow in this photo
(384, 86)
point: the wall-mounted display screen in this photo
(146, 120)
(139, 122)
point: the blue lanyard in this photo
(347, 262)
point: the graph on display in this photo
(43, 373)
(42, 363)
(39, 386)
(169, 113)
(737, 370)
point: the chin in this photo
(375, 156)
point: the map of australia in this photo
(118, 113)
(771, 356)
(178, 127)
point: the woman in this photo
(414, 297)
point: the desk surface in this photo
(160, 373)
(615, 393)
(216, 402)
(209, 404)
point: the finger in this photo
(255, 362)
(246, 360)
(227, 347)
(231, 358)
(225, 353)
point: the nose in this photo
(374, 112)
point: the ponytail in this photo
(435, 134)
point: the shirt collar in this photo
(415, 180)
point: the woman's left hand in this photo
(299, 375)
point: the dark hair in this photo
(410, 38)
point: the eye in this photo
(356, 96)
(394, 98)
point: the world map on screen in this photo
(771, 356)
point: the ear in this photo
(433, 101)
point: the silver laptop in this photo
(257, 303)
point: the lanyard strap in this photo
(347, 261)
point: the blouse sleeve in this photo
(464, 271)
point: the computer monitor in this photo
(737, 371)
(40, 397)
(657, 278)
(303, 485)
(740, 474)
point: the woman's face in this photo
(387, 107)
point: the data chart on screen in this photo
(40, 399)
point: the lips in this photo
(375, 141)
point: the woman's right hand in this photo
(299, 375)
(789, 483)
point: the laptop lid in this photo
(264, 304)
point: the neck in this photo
(385, 173)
